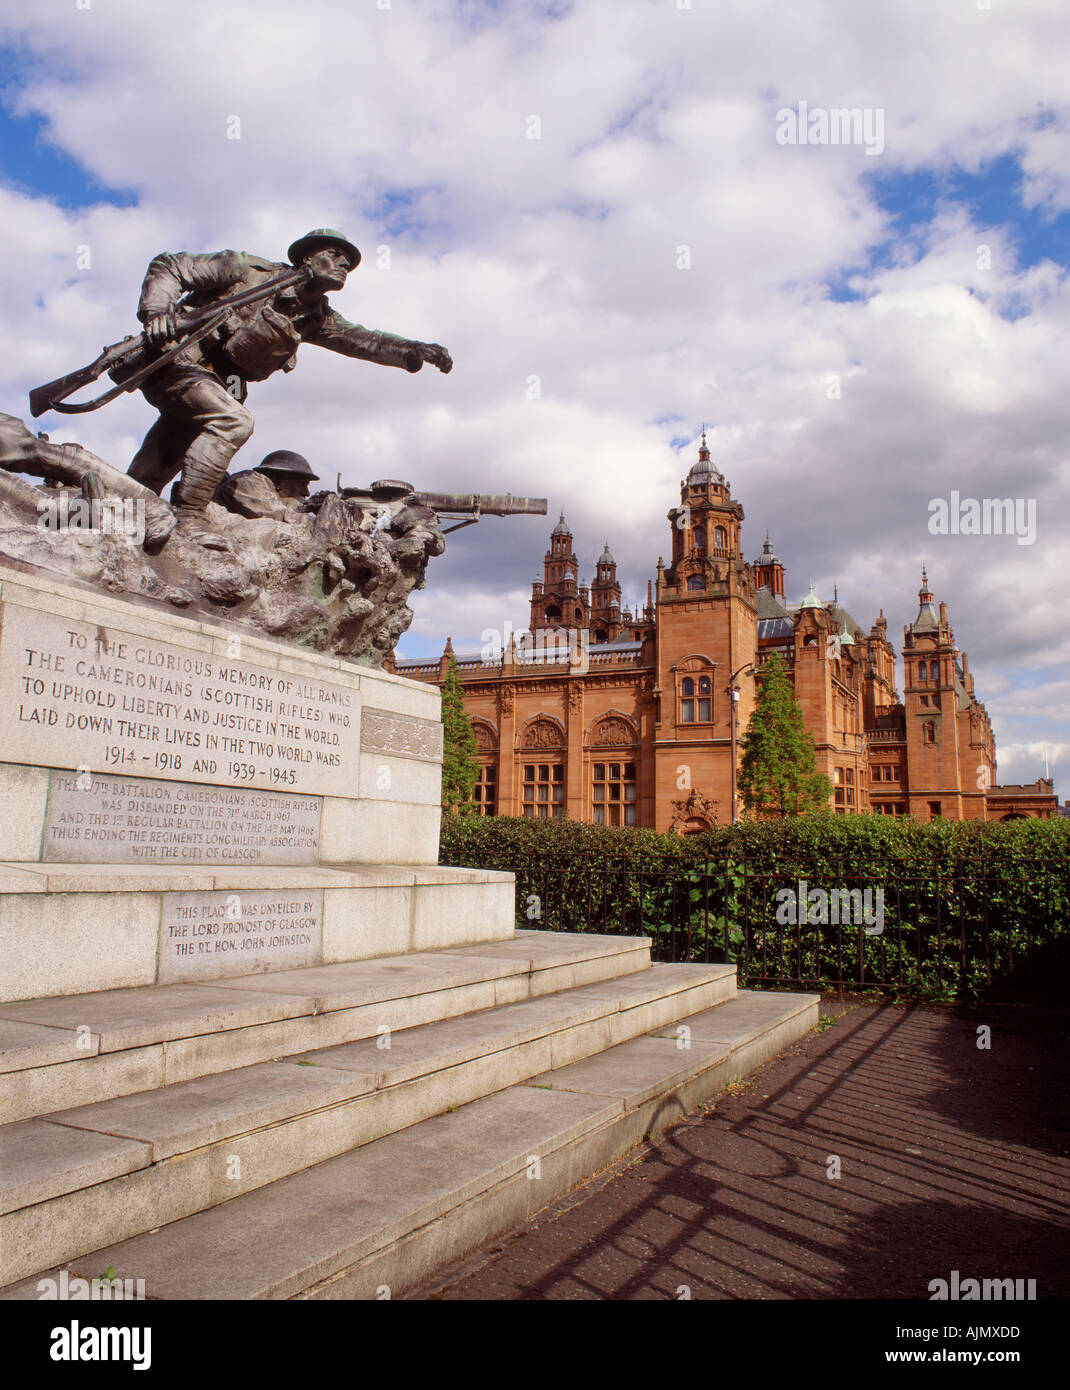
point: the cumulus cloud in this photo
(591, 197)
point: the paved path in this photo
(950, 1157)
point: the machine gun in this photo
(473, 505)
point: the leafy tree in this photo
(778, 775)
(460, 770)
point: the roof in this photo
(769, 605)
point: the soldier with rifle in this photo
(199, 383)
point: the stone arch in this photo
(486, 735)
(613, 729)
(694, 661)
(542, 731)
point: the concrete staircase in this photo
(341, 1131)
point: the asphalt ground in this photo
(881, 1152)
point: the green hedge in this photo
(968, 907)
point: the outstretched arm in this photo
(175, 273)
(352, 340)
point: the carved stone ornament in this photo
(542, 734)
(695, 807)
(613, 733)
(485, 740)
(391, 733)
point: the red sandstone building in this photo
(624, 718)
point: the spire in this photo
(926, 621)
(846, 640)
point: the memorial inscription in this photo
(79, 695)
(204, 936)
(97, 819)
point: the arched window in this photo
(687, 701)
(930, 731)
(923, 671)
(699, 535)
(720, 538)
(934, 670)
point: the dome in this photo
(606, 558)
(561, 529)
(703, 471)
(811, 600)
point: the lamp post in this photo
(733, 696)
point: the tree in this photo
(778, 774)
(460, 770)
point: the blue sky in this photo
(590, 196)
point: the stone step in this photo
(121, 916)
(381, 1219)
(56, 1053)
(110, 1170)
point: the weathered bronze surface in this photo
(259, 313)
(331, 572)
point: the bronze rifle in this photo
(196, 325)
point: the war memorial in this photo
(255, 1042)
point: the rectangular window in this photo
(544, 790)
(614, 793)
(485, 792)
(934, 810)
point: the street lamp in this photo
(733, 696)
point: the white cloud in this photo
(558, 257)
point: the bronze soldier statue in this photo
(200, 393)
(276, 488)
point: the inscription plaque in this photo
(204, 936)
(97, 819)
(81, 695)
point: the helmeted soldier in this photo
(275, 488)
(200, 394)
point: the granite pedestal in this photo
(183, 801)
